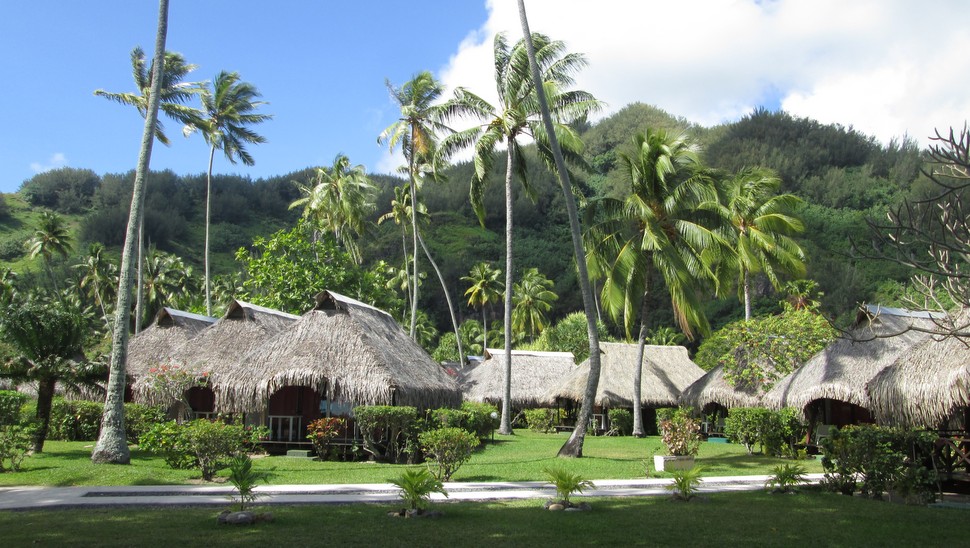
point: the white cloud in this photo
(58, 159)
(885, 67)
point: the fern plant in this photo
(786, 478)
(416, 486)
(685, 483)
(244, 479)
(566, 483)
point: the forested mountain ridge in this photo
(841, 174)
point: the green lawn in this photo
(725, 519)
(508, 458)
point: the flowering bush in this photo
(680, 433)
(321, 431)
(167, 386)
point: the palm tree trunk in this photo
(208, 209)
(112, 446)
(484, 330)
(638, 369)
(574, 445)
(451, 308)
(45, 399)
(140, 284)
(505, 427)
(414, 247)
(746, 283)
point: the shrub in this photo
(621, 420)
(208, 445)
(383, 428)
(11, 403)
(321, 431)
(566, 483)
(165, 439)
(742, 425)
(416, 486)
(139, 418)
(75, 420)
(680, 433)
(473, 417)
(15, 443)
(786, 478)
(540, 420)
(447, 449)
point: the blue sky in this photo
(886, 67)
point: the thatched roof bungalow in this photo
(927, 384)
(533, 375)
(170, 329)
(840, 371)
(343, 350)
(714, 389)
(666, 372)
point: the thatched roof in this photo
(533, 375)
(346, 350)
(714, 388)
(154, 345)
(666, 372)
(842, 369)
(926, 383)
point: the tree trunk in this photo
(638, 370)
(505, 426)
(451, 308)
(414, 247)
(746, 283)
(112, 446)
(208, 209)
(45, 399)
(574, 445)
(140, 282)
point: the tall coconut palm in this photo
(517, 117)
(656, 229)
(761, 223)
(173, 94)
(486, 288)
(228, 108)
(533, 297)
(50, 238)
(423, 118)
(112, 446)
(99, 278)
(338, 200)
(574, 445)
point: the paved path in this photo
(23, 498)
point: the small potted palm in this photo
(680, 434)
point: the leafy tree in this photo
(759, 223)
(574, 445)
(657, 228)
(66, 189)
(228, 107)
(533, 299)
(516, 117)
(49, 340)
(569, 335)
(50, 238)
(338, 200)
(112, 446)
(486, 288)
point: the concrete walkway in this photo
(25, 498)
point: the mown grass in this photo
(724, 519)
(521, 457)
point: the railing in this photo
(288, 428)
(953, 453)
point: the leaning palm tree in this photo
(173, 95)
(517, 117)
(760, 223)
(50, 238)
(112, 446)
(574, 445)
(656, 229)
(228, 107)
(533, 297)
(486, 288)
(338, 200)
(422, 119)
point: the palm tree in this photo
(98, 276)
(416, 131)
(574, 445)
(533, 298)
(486, 288)
(516, 117)
(173, 94)
(50, 238)
(760, 223)
(656, 229)
(112, 446)
(338, 200)
(228, 107)
(8, 287)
